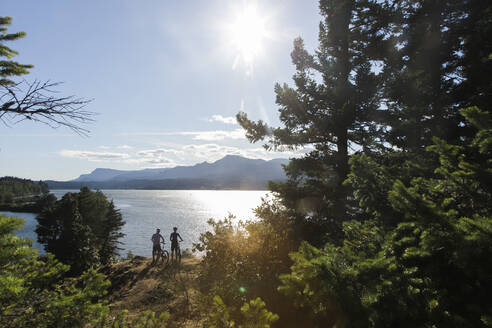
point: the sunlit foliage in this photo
(253, 315)
(243, 261)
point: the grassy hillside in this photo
(137, 285)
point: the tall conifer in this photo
(332, 108)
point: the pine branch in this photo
(36, 101)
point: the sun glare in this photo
(247, 33)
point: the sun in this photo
(247, 33)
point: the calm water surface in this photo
(146, 210)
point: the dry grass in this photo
(137, 285)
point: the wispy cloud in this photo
(211, 135)
(223, 119)
(149, 162)
(210, 152)
(189, 154)
(156, 157)
(217, 135)
(93, 155)
(213, 152)
(126, 147)
(178, 154)
(159, 152)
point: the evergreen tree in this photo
(62, 230)
(333, 107)
(33, 292)
(417, 252)
(475, 88)
(436, 65)
(111, 234)
(82, 229)
(431, 268)
(8, 67)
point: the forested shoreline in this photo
(22, 195)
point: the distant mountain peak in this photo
(104, 169)
(233, 158)
(100, 174)
(230, 167)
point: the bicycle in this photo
(163, 255)
(178, 252)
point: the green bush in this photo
(35, 293)
(253, 315)
(129, 255)
(244, 260)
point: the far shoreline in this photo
(167, 189)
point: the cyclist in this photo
(174, 243)
(156, 245)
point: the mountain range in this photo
(230, 172)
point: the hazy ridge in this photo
(230, 172)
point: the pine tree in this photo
(476, 66)
(431, 268)
(62, 230)
(111, 234)
(33, 292)
(82, 230)
(436, 65)
(8, 67)
(333, 107)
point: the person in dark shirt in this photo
(156, 245)
(175, 244)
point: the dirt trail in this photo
(137, 285)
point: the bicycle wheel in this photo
(164, 257)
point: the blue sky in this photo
(165, 78)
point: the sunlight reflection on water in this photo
(189, 210)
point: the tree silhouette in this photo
(36, 101)
(333, 107)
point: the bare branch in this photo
(37, 101)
